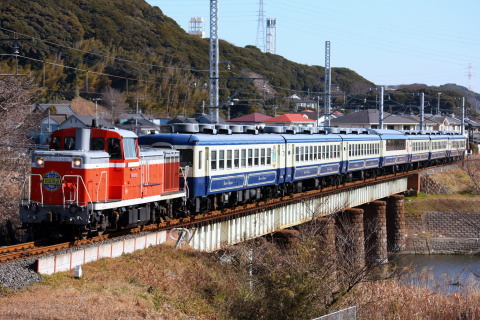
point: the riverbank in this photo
(445, 218)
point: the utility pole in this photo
(380, 113)
(214, 61)
(463, 116)
(96, 109)
(327, 85)
(136, 116)
(422, 106)
(438, 103)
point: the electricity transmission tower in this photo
(260, 43)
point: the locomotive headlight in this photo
(40, 162)
(76, 162)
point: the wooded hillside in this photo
(135, 48)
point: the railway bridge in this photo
(378, 203)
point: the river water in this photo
(442, 273)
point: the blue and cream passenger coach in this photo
(226, 168)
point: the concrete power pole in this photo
(380, 113)
(422, 107)
(463, 116)
(327, 85)
(214, 61)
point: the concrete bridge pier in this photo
(395, 222)
(375, 228)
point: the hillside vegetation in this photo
(130, 39)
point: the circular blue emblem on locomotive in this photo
(52, 181)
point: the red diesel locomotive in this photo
(93, 180)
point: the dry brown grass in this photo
(165, 283)
(392, 300)
(157, 283)
(433, 202)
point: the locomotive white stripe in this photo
(125, 203)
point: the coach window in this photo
(229, 159)
(221, 159)
(250, 158)
(244, 158)
(69, 143)
(297, 154)
(236, 159)
(262, 157)
(256, 158)
(319, 151)
(269, 156)
(213, 159)
(200, 159)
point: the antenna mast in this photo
(260, 43)
(271, 35)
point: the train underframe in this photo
(60, 221)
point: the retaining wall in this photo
(69, 260)
(443, 232)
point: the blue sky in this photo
(387, 42)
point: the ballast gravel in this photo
(21, 273)
(18, 274)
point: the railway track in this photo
(38, 248)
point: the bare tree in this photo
(17, 122)
(115, 101)
(302, 279)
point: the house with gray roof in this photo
(370, 119)
(83, 121)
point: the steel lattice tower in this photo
(271, 35)
(214, 61)
(260, 43)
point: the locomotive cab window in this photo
(69, 143)
(130, 148)
(114, 149)
(97, 144)
(55, 145)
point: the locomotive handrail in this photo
(184, 172)
(100, 182)
(76, 192)
(30, 187)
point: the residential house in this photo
(370, 119)
(256, 119)
(139, 126)
(290, 119)
(302, 103)
(83, 121)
